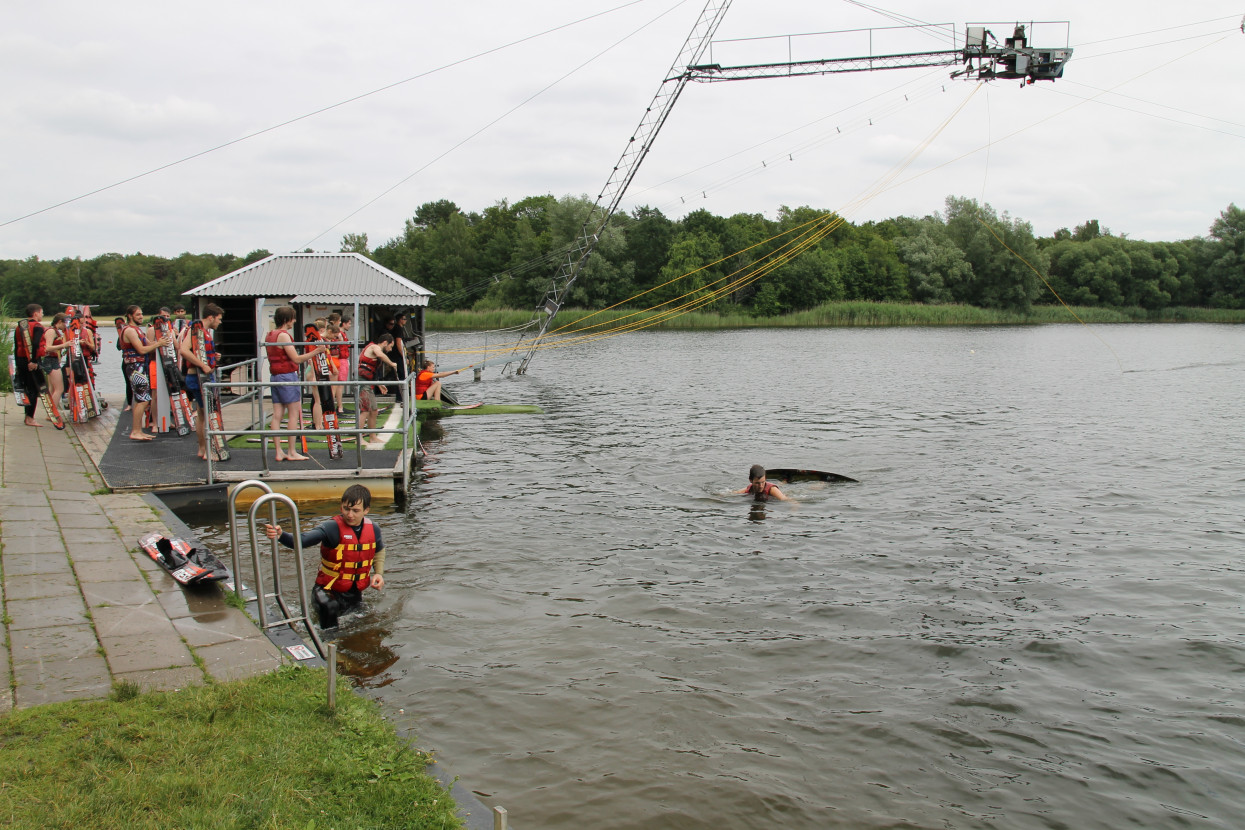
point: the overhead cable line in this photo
(316, 112)
(495, 121)
(701, 296)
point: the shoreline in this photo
(860, 314)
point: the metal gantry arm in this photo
(624, 171)
(983, 60)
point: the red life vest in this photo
(279, 363)
(128, 353)
(343, 351)
(350, 563)
(367, 368)
(35, 332)
(763, 493)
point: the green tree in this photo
(934, 262)
(648, 244)
(1000, 251)
(1225, 264)
(355, 243)
(689, 276)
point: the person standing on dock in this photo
(369, 369)
(352, 555)
(51, 357)
(283, 363)
(134, 351)
(342, 346)
(198, 370)
(26, 361)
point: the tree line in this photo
(504, 256)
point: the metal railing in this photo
(304, 598)
(254, 395)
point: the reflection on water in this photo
(1025, 615)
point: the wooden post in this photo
(499, 818)
(332, 661)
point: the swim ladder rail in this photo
(278, 593)
(233, 524)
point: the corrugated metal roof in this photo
(317, 278)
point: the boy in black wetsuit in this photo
(352, 555)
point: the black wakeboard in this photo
(787, 475)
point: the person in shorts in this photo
(283, 363)
(369, 369)
(197, 371)
(135, 348)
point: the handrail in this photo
(261, 596)
(405, 386)
(233, 526)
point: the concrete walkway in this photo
(82, 607)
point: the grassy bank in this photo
(259, 753)
(834, 314)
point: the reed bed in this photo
(838, 314)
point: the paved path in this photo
(82, 607)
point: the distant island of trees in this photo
(503, 257)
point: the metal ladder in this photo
(288, 617)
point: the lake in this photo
(1027, 614)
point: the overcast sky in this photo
(1146, 132)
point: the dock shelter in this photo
(315, 285)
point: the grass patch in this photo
(434, 409)
(262, 753)
(345, 420)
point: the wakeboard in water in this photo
(187, 565)
(787, 476)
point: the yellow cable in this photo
(1052, 290)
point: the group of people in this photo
(40, 359)
(384, 355)
(196, 362)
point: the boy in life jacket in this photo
(759, 488)
(352, 555)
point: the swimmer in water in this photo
(759, 488)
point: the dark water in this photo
(1028, 614)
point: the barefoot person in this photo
(352, 555)
(759, 488)
(53, 343)
(198, 371)
(134, 351)
(283, 363)
(369, 369)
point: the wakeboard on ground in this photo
(787, 476)
(187, 565)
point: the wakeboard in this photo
(787, 476)
(187, 565)
(19, 390)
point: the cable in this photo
(319, 111)
(499, 118)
